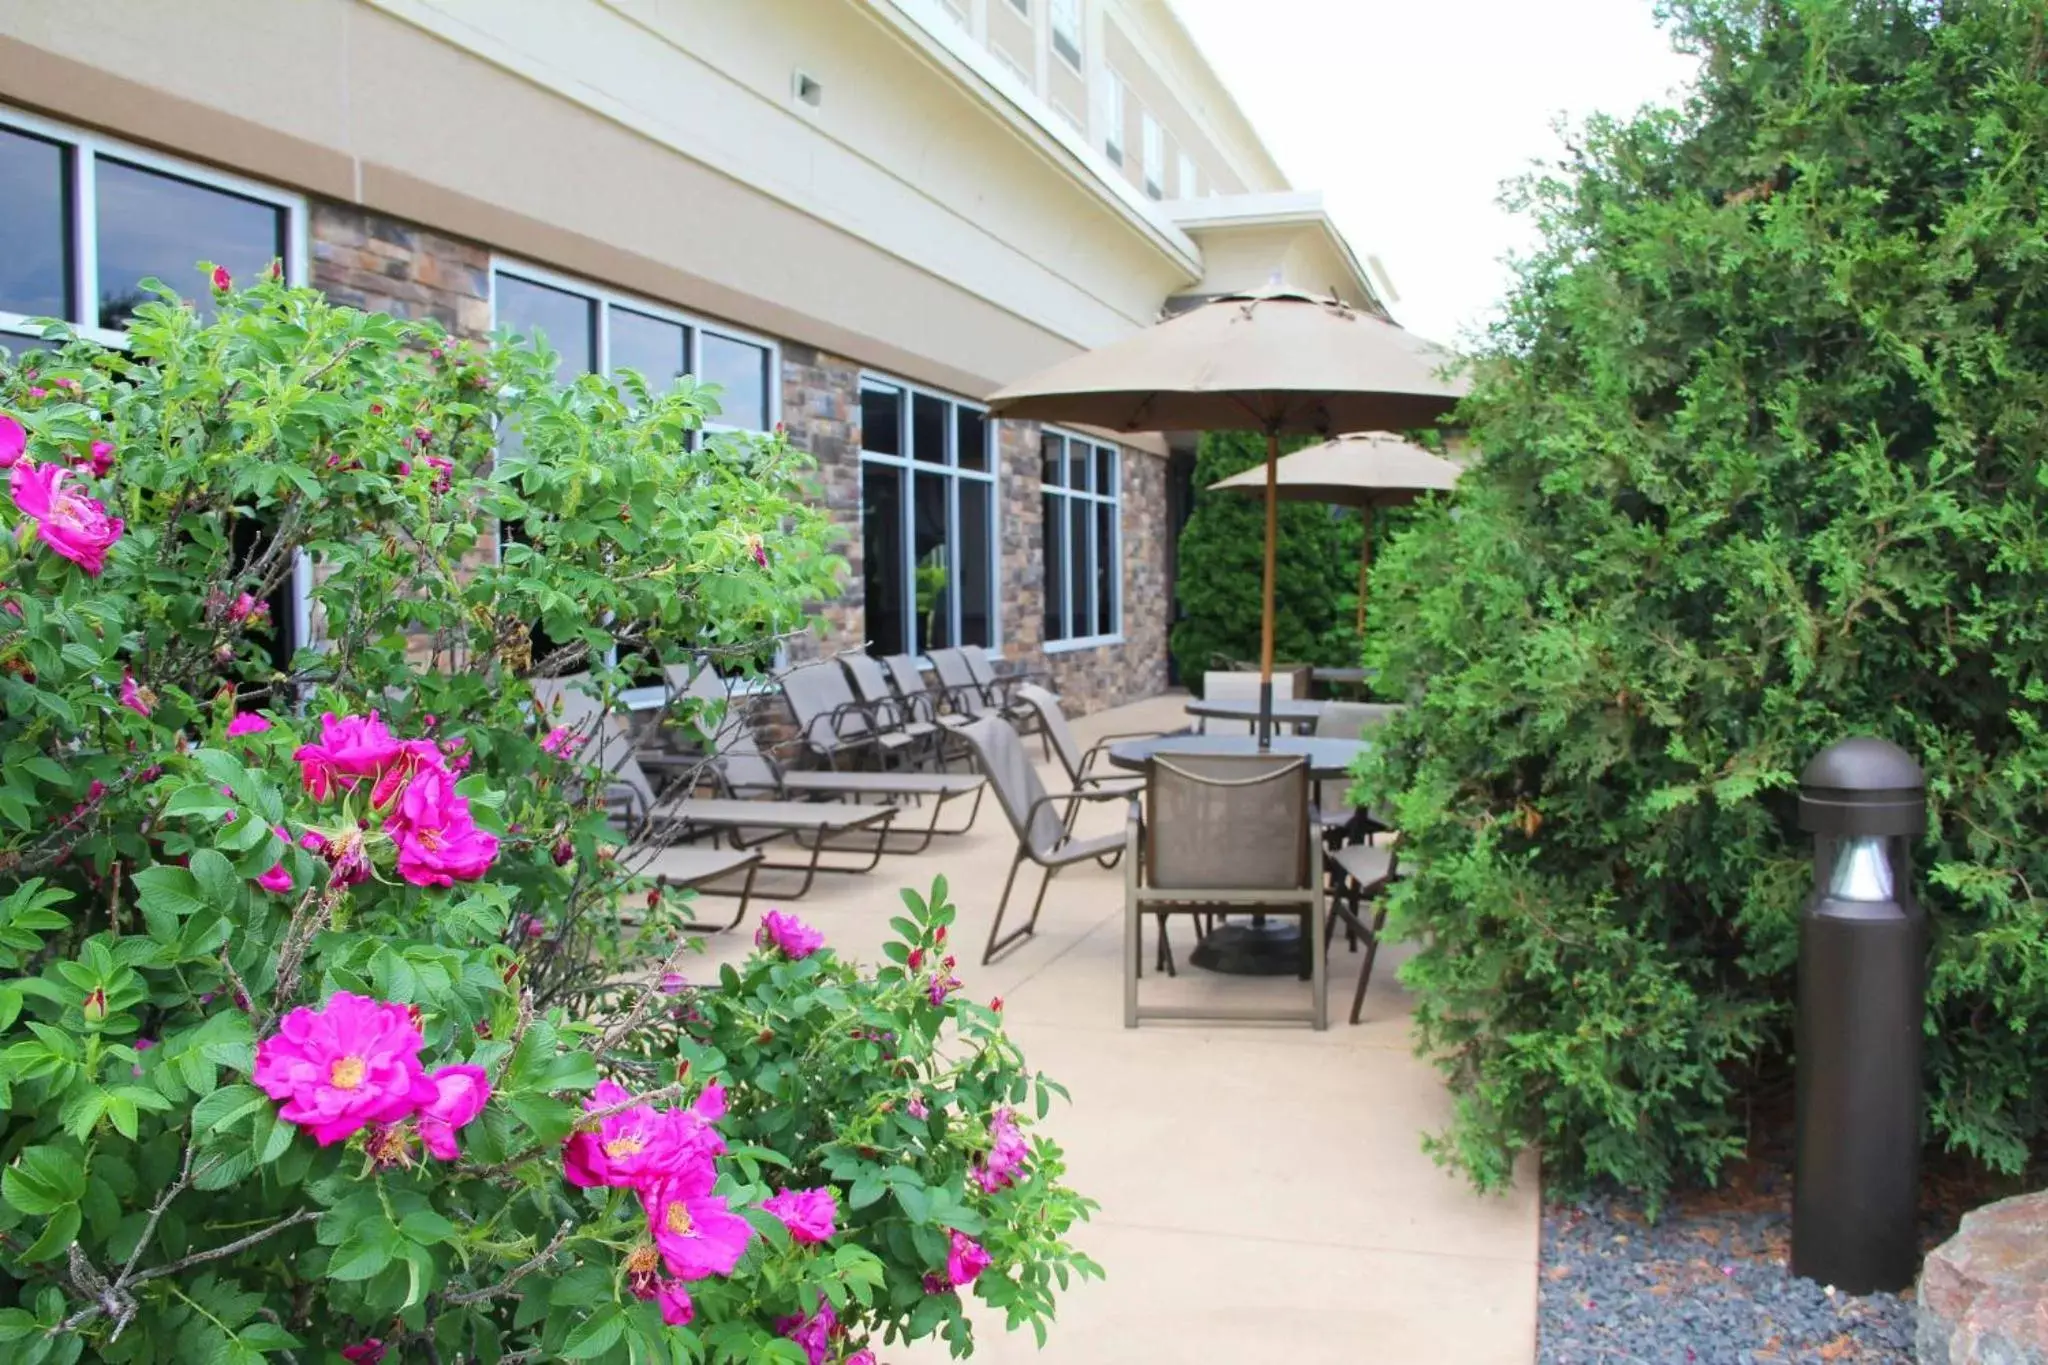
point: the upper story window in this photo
(598, 332)
(1066, 31)
(1022, 7)
(1155, 155)
(928, 530)
(1083, 489)
(1113, 117)
(84, 220)
(1189, 183)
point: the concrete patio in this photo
(1264, 1193)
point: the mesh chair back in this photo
(904, 672)
(1018, 789)
(979, 666)
(726, 729)
(951, 666)
(1233, 686)
(1054, 722)
(817, 691)
(1227, 822)
(871, 681)
(605, 743)
(1347, 720)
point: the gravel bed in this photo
(1706, 1285)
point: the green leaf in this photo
(58, 1234)
(866, 1190)
(225, 1106)
(358, 1260)
(595, 1334)
(42, 1179)
(216, 878)
(426, 1226)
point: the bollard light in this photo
(1862, 983)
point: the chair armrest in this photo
(1052, 798)
(1101, 746)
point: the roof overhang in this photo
(1253, 241)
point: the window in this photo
(84, 219)
(1189, 183)
(1022, 7)
(1083, 530)
(596, 332)
(928, 542)
(1066, 31)
(1155, 154)
(1113, 117)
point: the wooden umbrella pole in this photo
(1266, 613)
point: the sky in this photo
(1410, 114)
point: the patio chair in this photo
(1347, 720)
(934, 703)
(743, 769)
(1080, 765)
(1362, 872)
(1000, 681)
(834, 724)
(1043, 837)
(685, 818)
(871, 681)
(979, 700)
(1224, 831)
(1231, 686)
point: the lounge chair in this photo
(1002, 683)
(1223, 831)
(744, 825)
(978, 700)
(836, 725)
(1043, 836)
(871, 682)
(1079, 764)
(935, 704)
(743, 770)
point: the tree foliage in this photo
(1221, 569)
(1765, 424)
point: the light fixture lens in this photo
(1862, 871)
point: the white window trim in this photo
(85, 261)
(1078, 38)
(1152, 153)
(1113, 112)
(608, 298)
(1189, 177)
(85, 217)
(1066, 565)
(991, 476)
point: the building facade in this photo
(858, 217)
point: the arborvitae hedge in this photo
(1765, 424)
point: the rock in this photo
(1984, 1292)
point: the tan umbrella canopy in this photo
(1367, 470)
(1270, 360)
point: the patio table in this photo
(1286, 710)
(1259, 947)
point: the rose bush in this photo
(336, 1019)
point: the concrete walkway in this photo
(1264, 1193)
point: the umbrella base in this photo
(1253, 948)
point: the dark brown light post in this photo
(1862, 983)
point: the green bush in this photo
(1222, 564)
(1765, 422)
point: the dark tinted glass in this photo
(740, 369)
(1051, 455)
(1105, 469)
(1055, 567)
(1077, 465)
(653, 346)
(970, 439)
(156, 224)
(977, 626)
(881, 420)
(567, 321)
(35, 241)
(881, 523)
(934, 563)
(1107, 567)
(1083, 565)
(928, 428)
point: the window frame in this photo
(1023, 7)
(1152, 153)
(82, 223)
(910, 467)
(607, 298)
(1189, 176)
(1095, 499)
(1073, 36)
(1113, 115)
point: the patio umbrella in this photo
(1276, 361)
(1367, 470)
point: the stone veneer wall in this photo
(366, 260)
(821, 413)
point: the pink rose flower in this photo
(414, 756)
(70, 523)
(222, 281)
(13, 440)
(860, 1357)
(137, 699)
(558, 741)
(760, 552)
(790, 934)
(244, 607)
(352, 1062)
(674, 1302)
(965, 1260)
(370, 1352)
(813, 1333)
(102, 461)
(919, 1110)
(247, 723)
(1007, 1150)
(641, 1146)
(277, 881)
(698, 1236)
(438, 843)
(460, 1093)
(808, 1214)
(351, 748)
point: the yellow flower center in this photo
(624, 1146)
(346, 1074)
(643, 1259)
(679, 1220)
